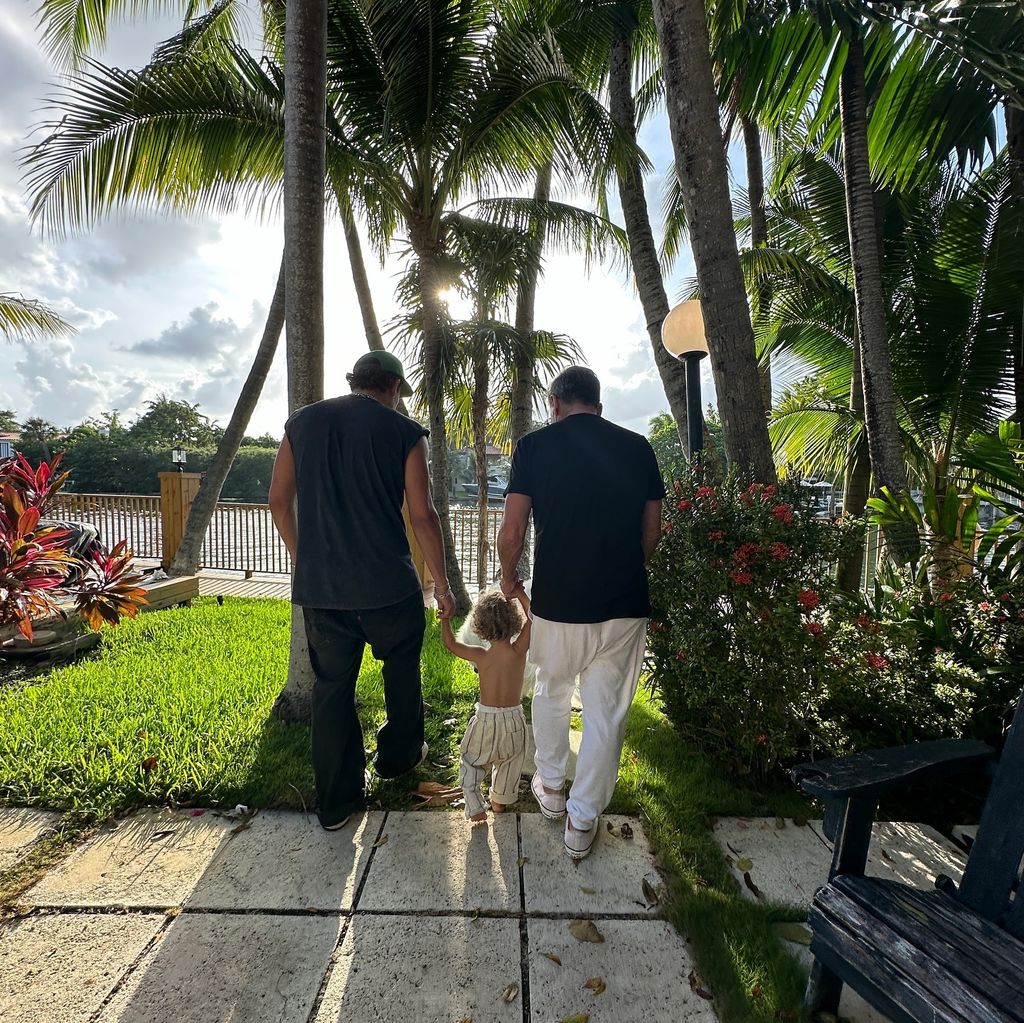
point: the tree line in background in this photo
(103, 455)
(872, 256)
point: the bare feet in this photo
(497, 807)
(477, 818)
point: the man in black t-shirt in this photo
(344, 467)
(595, 492)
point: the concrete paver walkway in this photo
(399, 917)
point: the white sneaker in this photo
(551, 806)
(579, 843)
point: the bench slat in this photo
(967, 945)
(858, 946)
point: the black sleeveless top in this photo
(353, 553)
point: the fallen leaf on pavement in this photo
(579, 1017)
(553, 956)
(780, 822)
(585, 930)
(383, 840)
(650, 894)
(597, 985)
(753, 887)
(522, 861)
(745, 864)
(697, 988)
(588, 891)
(509, 994)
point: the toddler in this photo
(496, 735)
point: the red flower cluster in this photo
(783, 513)
(864, 622)
(814, 628)
(716, 536)
(681, 655)
(876, 661)
(779, 551)
(945, 597)
(746, 553)
(684, 505)
(702, 492)
(740, 577)
(808, 599)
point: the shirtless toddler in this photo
(496, 735)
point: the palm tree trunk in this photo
(481, 384)
(433, 383)
(304, 170)
(1015, 151)
(362, 283)
(524, 367)
(883, 434)
(857, 482)
(643, 253)
(186, 561)
(699, 148)
(758, 229)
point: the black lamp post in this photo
(178, 457)
(682, 334)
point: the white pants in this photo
(608, 657)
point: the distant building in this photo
(7, 442)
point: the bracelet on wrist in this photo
(441, 596)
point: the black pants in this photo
(336, 642)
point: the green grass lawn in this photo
(176, 707)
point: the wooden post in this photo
(177, 492)
(420, 563)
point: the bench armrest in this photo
(868, 774)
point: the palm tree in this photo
(952, 256)
(701, 167)
(470, 103)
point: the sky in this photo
(165, 305)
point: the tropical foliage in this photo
(40, 563)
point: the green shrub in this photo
(739, 637)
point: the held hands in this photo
(445, 601)
(510, 586)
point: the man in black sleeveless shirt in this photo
(340, 477)
(595, 493)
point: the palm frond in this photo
(24, 319)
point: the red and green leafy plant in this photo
(741, 586)
(40, 572)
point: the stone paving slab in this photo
(608, 881)
(251, 968)
(286, 861)
(20, 828)
(789, 864)
(644, 964)
(149, 860)
(439, 862)
(396, 969)
(60, 968)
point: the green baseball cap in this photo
(387, 362)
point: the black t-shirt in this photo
(589, 481)
(353, 552)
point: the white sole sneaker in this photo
(552, 807)
(578, 844)
(339, 825)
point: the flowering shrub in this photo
(740, 635)
(37, 566)
(759, 659)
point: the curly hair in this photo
(495, 618)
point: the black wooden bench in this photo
(952, 955)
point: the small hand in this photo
(445, 606)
